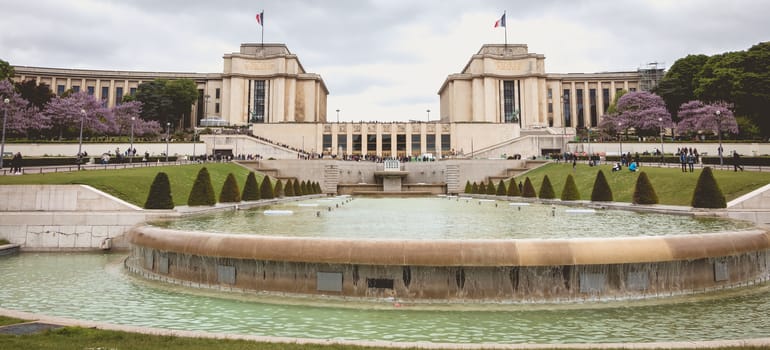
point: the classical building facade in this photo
(502, 102)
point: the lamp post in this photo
(168, 127)
(564, 126)
(131, 149)
(428, 110)
(2, 144)
(338, 115)
(662, 156)
(80, 138)
(719, 135)
(620, 139)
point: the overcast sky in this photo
(381, 59)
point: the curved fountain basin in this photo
(524, 270)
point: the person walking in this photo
(16, 163)
(737, 161)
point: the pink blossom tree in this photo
(696, 116)
(123, 114)
(65, 114)
(643, 111)
(22, 118)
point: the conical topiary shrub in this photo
(288, 191)
(230, 192)
(707, 193)
(250, 189)
(491, 190)
(301, 189)
(644, 193)
(601, 191)
(513, 189)
(202, 192)
(529, 189)
(501, 188)
(570, 191)
(546, 189)
(475, 188)
(468, 188)
(266, 189)
(304, 187)
(278, 189)
(318, 189)
(160, 193)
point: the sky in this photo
(381, 60)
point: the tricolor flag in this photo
(261, 18)
(499, 23)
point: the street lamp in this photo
(620, 139)
(168, 127)
(428, 110)
(338, 115)
(719, 134)
(80, 138)
(662, 156)
(131, 149)
(2, 144)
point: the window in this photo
(342, 143)
(216, 108)
(579, 98)
(91, 90)
(371, 143)
(105, 92)
(118, 94)
(327, 142)
(75, 88)
(386, 142)
(430, 143)
(567, 109)
(386, 283)
(357, 143)
(632, 89)
(258, 114)
(416, 149)
(508, 108)
(400, 142)
(446, 143)
(592, 105)
(60, 90)
(216, 93)
(606, 98)
(132, 91)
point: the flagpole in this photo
(506, 30)
(262, 18)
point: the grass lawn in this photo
(671, 185)
(133, 185)
(4, 321)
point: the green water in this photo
(95, 287)
(445, 218)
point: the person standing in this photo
(691, 161)
(683, 159)
(16, 163)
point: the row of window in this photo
(580, 108)
(387, 142)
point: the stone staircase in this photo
(331, 178)
(453, 179)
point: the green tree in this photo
(546, 189)
(202, 192)
(160, 193)
(513, 189)
(6, 70)
(601, 191)
(250, 189)
(644, 193)
(468, 188)
(707, 193)
(37, 94)
(570, 191)
(304, 188)
(289, 189)
(613, 107)
(491, 190)
(677, 86)
(529, 189)
(278, 189)
(266, 189)
(501, 188)
(167, 100)
(230, 192)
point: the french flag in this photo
(261, 18)
(499, 23)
